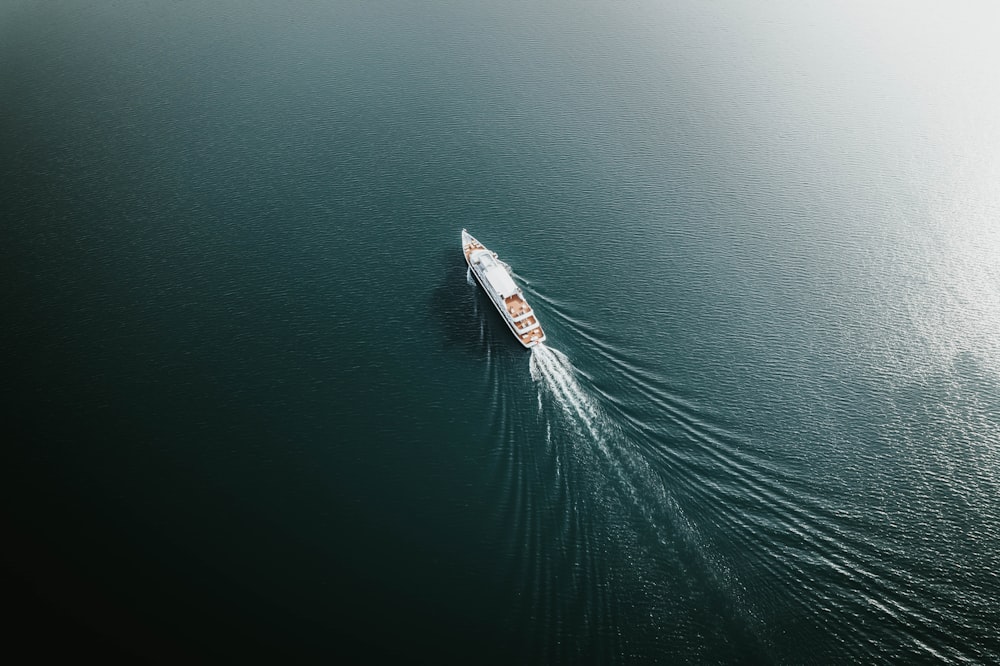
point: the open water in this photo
(257, 413)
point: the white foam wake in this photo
(642, 488)
(556, 375)
(630, 471)
(468, 277)
(624, 465)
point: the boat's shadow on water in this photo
(462, 316)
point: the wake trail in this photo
(553, 369)
(556, 377)
(641, 486)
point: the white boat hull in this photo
(505, 295)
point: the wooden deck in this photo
(517, 306)
(534, 335)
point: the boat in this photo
(493, 276)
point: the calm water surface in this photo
(258, 413)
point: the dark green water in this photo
(256, 413)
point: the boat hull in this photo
(512, 307)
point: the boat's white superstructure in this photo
(506, 296)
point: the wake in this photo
(640, 485)
(628, 471)
(554, 373)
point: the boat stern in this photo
(532, 341)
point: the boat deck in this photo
(528, 328)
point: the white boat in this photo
(493, 277)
